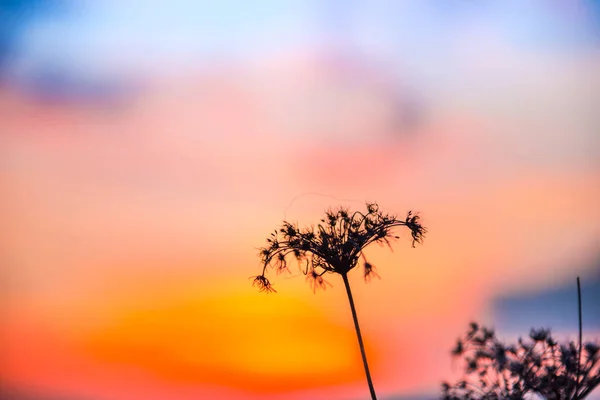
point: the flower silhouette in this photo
(338, 241)
(316, 280)
(263, 284)
(493, 370)
(335, 246)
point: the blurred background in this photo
(147, 149)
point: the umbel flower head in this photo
(335, 245)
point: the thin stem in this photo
(360, 341)
(580, 339)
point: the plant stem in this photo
(580, 337)
(360, 341)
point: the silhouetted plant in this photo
(493, 370)
(335, 246)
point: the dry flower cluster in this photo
(335, 246)
(540, 365)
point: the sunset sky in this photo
(147, 151)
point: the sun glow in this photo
(235, 340)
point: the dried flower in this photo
(263, 284)
(370, 272)
(335, 246)
(458, 349)
(493, 370)
(592, 349)
(316, 281)
(539, 335)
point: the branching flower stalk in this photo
(335, 246)
(542, 366)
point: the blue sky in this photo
(108, 37)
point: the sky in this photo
(147, 151)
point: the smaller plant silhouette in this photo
(335, 246)
(493, 370)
